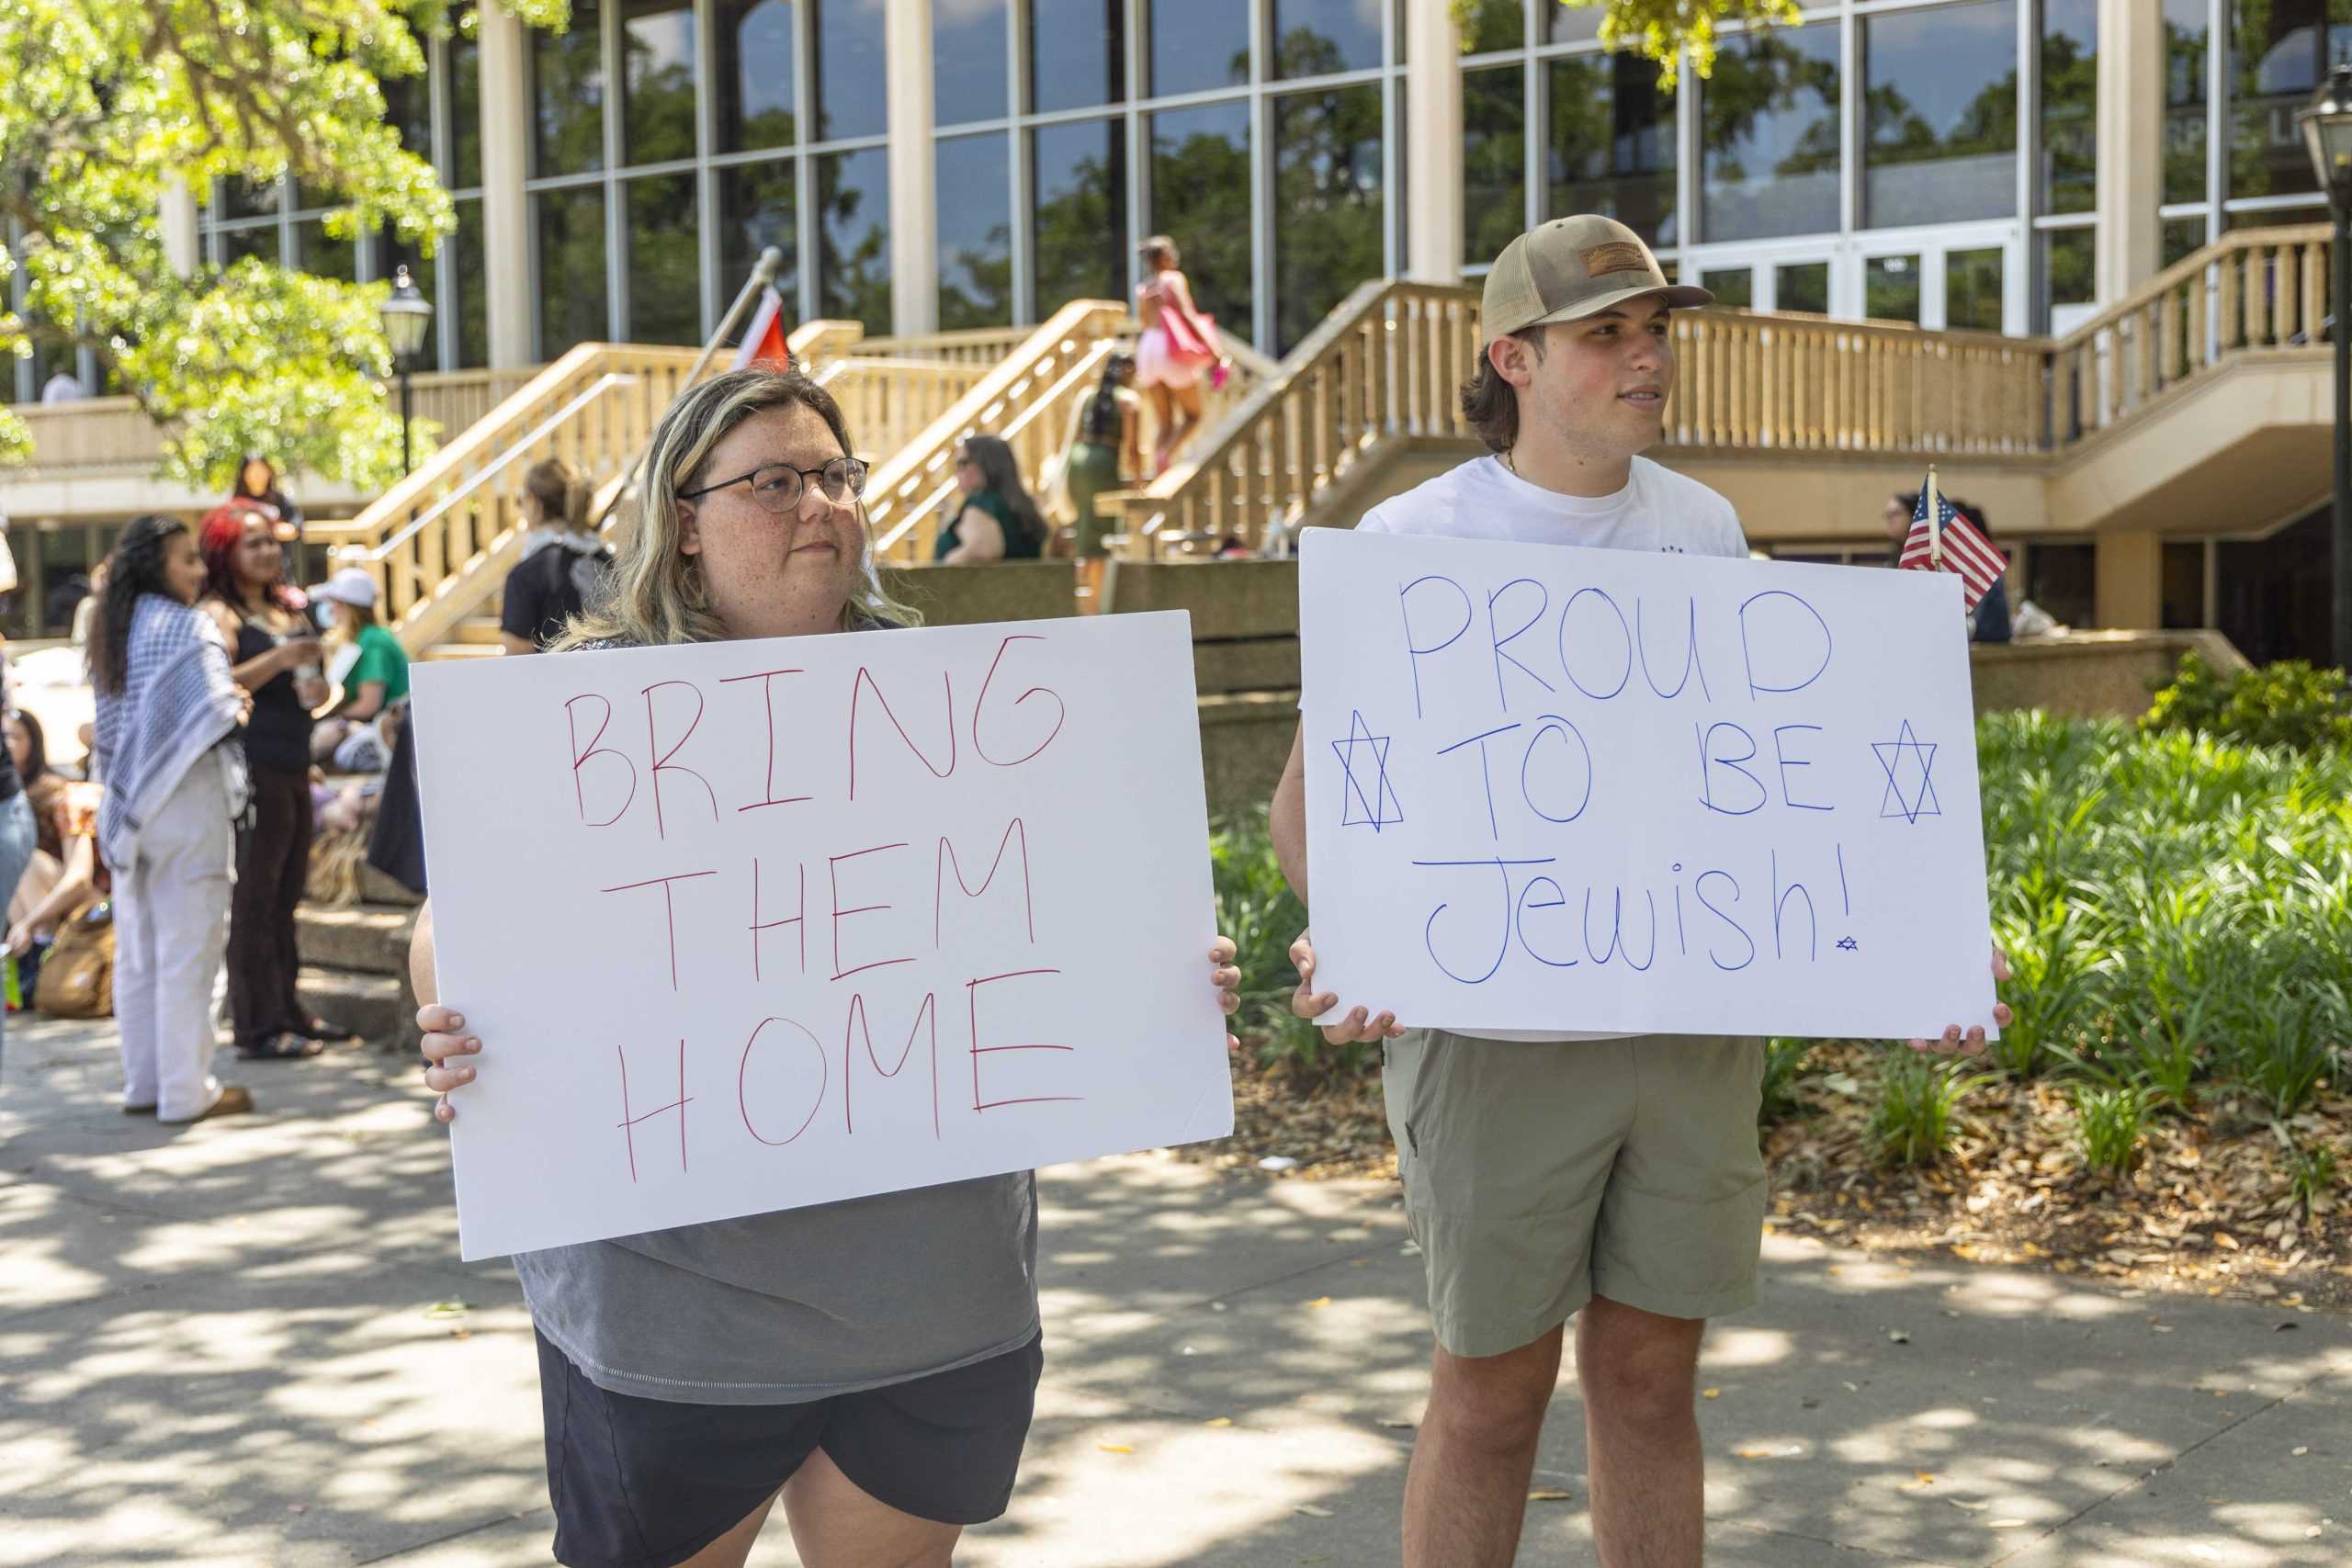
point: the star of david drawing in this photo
(1907, 796)
(1367, 800)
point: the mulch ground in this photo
(2208, 1210)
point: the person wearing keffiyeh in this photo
(165, 704)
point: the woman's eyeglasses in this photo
(778, 486)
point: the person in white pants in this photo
(168, 712)
(171, 924)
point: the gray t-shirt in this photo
(784, 1308)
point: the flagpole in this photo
(1935, 519)
(770, 263)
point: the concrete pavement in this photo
(251, 1342)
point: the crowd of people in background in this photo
(237, 718)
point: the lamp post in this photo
(407, 316)
(2327, 133)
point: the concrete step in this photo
(369, 938)
(377, 888)
(461, 651)
(378, 1006)
(476, 629)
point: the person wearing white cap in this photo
(377, 678)
(1552, 1175)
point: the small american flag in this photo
(1964, 551)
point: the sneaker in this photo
(233, 1100)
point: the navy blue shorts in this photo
(648, 1483)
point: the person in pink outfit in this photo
(1179, 346)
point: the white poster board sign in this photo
(753, 925)
(1551, 788)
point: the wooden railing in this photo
(436, 542)
(2254, 291)
(888, 402)
(981, 347)
(116, 435)
(904, 493)
(1804, 383)
(1389, 361)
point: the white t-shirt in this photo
(1658, 510)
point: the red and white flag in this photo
(1943, 540)
(763, 344)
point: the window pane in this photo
(1328, 189)
(2069, 106)
(1497, 24)
(656, 81)
(322, 254)
(2187, 58)
(423, 271)
(853, 238)
(1972, 290)
(2182, 236)
(259, 241)
(850, 86)
(1940, 97)
(2069, 263)
(1612, 144)
(1081, 177)
(250, 199)
(462, 255)
(1802, 286)
(1197, 45)
(968, 59)
(1568, 24)
(755, 54)
(974, 207)
(568, 85)
(665, 260)
(573, 290)
(1890, 288)
(2183, 595)
(465, 113)
(1077, 53)
(2277, 51)
(1735, 286)
(408, 109)
(1494, 161)
(1314, 38)
(1769, 129)
(755, 210)
(1200, 198)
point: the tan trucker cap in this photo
(1568, 268)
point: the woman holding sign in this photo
(873, 1363)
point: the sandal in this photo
(285, 1045)
(233, 1100)
(326, 1029)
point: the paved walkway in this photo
(251, 1343)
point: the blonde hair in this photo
(657, 594)
(1162, 246)
(560, 490)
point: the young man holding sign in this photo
(1615, 1178)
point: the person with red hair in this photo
(274, 656)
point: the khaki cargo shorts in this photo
(1538, 1176)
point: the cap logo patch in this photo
(1614, 256)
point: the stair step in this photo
(378, 1006)
(372, 939)
(462, 650)
(477, 629)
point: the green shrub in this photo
(2107, 1126)
(2286, 704)
(1256, 907)
(1917, 1095)
(1783, 1059)
(2311, 1176)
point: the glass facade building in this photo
(1922, 161)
